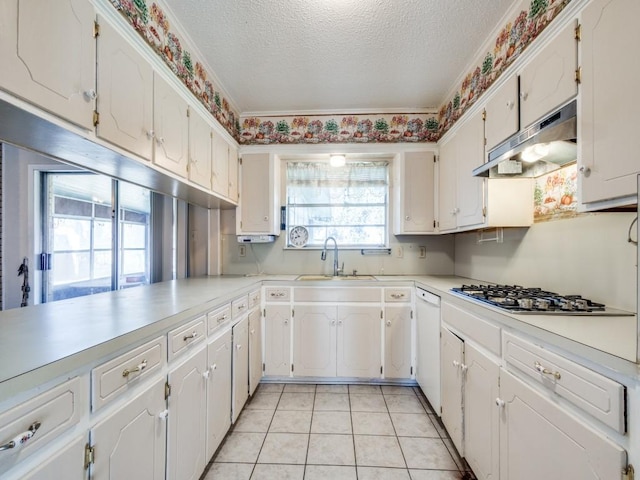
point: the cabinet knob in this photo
(266, 219)
(499, 402)
(286, 322)
(214, 366)
(584, 171)
(339, 322)
(163, 414)
(388, 323)
(407, 218)
(238, 347)
(253, 330)
(510, 104)
(90, 94)
(333, 322)
(205, 374)
(160, 140)
(524, 96)
(151, 134)
(456, 363)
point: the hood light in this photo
(337, 160)
(534, 152)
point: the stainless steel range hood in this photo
(541, 148)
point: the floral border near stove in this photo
(153, 25)
(514, 37)
(339, 129)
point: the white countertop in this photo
(42, 342)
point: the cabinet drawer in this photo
(336, 294)
(182, 337)
(277, 294)
(218, 317)
(239, 306)
(474, 328)
(254, 299)
(41, 419)
(592, 392)
(115, 376)
(397, 294)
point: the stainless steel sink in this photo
(329, 277)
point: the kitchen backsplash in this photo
(555, 194)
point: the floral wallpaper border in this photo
(152, 24)
(340, 129)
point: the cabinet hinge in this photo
(411, 313)
(484, 211)
(484, 115)
(240, 223)
(380, 369)
(411, 370)
(263, 367)
(96, 29)
(96, 118)
(292, 368)
(89, 455)
(578, 32)
(434, 224)
(435, 159)
(188, 112)
(381, 314)
(240, 161)
(167, 390)
(628, 473)
(579, 75)
(264, 312)
(293, 313)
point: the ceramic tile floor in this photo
(337, 432)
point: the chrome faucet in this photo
(323, 256)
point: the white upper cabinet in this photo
(501, 113)
(608, 126)
(125, 94)
(413, 193)
(220, 166)
(549, 79)
(234, 181)
(259, 195)
(200, 149)
(171, 128)
(446, 185)
(48, 56)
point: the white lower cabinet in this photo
(187, 413)
(67, 463)
(397, 341)
(538, 439)
(240, 353)
(130, 443)
(218, 391)
(451, 378)
(342, 341)
(277, 340)
(255, 349)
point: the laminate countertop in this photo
(43, 342)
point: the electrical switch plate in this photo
(422, 252)
(242, 250)
(399, 251)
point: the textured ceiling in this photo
(337, 55)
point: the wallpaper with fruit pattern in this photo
(555, 194)
(150, 20)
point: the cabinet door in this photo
(240, 367)
(255, 349)
(199, 150)
(538, 439)
(414, 193)
(481, 417)
(258, 208)
(397, 342)
(277, 340)
(469, 189)
(548, 80)
(68, 464)
(608, 118)
(428, 351)
(452, 375)
(125, 94)
(47, 52)
(131, 442)
(314, 344)
(447, 185)
(220, 166)
(171, 127)
(502, 119)
(359, 342)
(232, 160)
(187, 419)
(218, 391)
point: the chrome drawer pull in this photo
(276, 294)
(191, 336)
(126, 372)
(222, 318)
(397, 295)
(21, 439)
(545, 371)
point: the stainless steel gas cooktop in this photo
(523, 300)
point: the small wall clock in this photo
(298, 236)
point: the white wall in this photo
(587, 255)
(272, 258)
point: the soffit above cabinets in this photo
(337, 55)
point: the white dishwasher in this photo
(428, 346)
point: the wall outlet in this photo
(399, 251)
(242, 250)
(422, 252)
